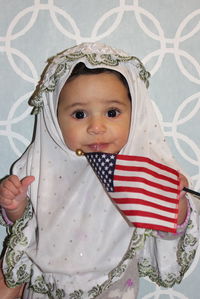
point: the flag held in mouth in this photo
(146, 192)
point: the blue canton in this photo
(103, 165)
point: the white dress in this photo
(72, 242)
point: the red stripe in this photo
(146, 192)
(147, 170)
(145, 181)
(145, 203)
(149, 215)
(155, 227)
(149, 161)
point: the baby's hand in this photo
(13, 195)
(183, 183)
(183, 200)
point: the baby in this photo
(67, 238)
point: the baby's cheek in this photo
(72, 141)
(123, 139)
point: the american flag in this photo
(145, 192)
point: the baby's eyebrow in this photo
(76, 104)
(115, 102)
(106, 102)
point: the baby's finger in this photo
(183, 181)
(6, 203)
(8, 185)
(15, 180)
(27, 181)
(6, 194)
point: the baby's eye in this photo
(79, 114)
(113, 112)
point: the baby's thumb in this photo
(27, 181)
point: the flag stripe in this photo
(148, 177)
(146, 181)
(148, 214)
(134, 196)
(149, 161)
(143, 191)
(146, 170)
(155, 227)
(146, 165)
(141, 185)
(144, 186)
(147, 209)
(150, 220)
(122, 202)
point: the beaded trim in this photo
(61, 63)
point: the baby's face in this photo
(94, 113)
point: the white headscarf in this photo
(72, 235)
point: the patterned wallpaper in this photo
(164, 34)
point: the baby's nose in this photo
(96, 126)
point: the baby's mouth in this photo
(98, 147)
